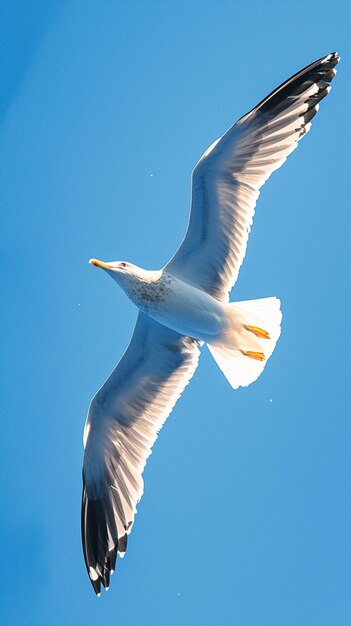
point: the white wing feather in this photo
(227, 179)
(123, 421)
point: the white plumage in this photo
(186, 304)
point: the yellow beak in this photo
(97, 263)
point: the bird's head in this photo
(127, 275)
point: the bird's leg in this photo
(259, 332)
(258, 356)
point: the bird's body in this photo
(184, 305)
(175, 303)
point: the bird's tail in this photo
(243, 352)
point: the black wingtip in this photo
(320, 72)
(106, 579)
(334, 55)
(99, 560)
(96, 586)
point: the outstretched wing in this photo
(227, 179)
(123, 422)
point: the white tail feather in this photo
(239, 368)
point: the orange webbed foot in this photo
(258, 356)
(259, 332)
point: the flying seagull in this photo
(184, 305)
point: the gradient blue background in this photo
(106, 107)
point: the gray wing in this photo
(227, 179)
(123, 422)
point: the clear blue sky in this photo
(246, 517)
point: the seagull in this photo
(185, 305)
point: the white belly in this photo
(188, 310)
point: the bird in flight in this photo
(185, 305)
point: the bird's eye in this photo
(123, 264)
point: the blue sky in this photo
(246, 515)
